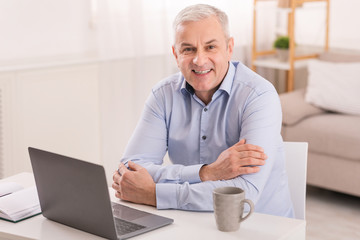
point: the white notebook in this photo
(19, 203)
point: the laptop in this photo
(75, 193)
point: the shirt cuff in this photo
(190, 174)
(166, 196)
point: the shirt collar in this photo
(185, 87)
(228, 80)
(225, 85)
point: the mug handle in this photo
(251, 204)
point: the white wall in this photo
(43, 28)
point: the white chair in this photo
(296, 167)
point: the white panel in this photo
(117, 111)
(58, 110)
(6, 126)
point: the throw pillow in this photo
(334, 86)
(295, 108)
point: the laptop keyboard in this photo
(124, 227)
(122, 212)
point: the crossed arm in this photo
(233, 167)
(137, 185)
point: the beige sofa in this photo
(334, 141)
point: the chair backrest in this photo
(296, 166)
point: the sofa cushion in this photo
(335, 173)
(330, 134)
(334, 86)
(295, 108)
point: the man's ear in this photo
(175, 55)
(174, 52)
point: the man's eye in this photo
(211, 47)
(188, 50)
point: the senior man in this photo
(219, 122)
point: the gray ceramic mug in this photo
(229, 208)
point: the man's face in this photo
(202, 53)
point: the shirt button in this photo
(203, 137)
(205, 109)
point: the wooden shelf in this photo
(296, 60)
(302, 54)
(276, 64)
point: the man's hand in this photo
(134, 185)
(237, 160)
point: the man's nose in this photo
(200, 58)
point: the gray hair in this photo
(199, 12)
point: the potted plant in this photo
(281, 45)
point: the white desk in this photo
(187, 225)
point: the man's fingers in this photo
(122, 169)
(245, 162)
(242, 146)
(134, 166)
(115, 186)
(248, 147)
(241, 142)
(116, 176)
(253, 154)
(118, 195)
(117, 189)
(248, 170)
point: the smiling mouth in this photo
(202, 72)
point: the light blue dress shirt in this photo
(176, 120)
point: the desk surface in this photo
(187, 225)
